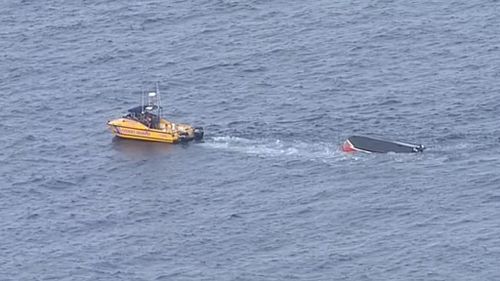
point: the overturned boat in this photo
(145, 122)
(369, 145)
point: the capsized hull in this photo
(366, 144)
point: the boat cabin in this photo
(145, 114)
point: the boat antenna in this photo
(160, 110)
(142, 101)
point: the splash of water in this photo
(319, 151)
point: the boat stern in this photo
(198, 133)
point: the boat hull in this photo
(169, 132)
(371, 145)
(144, 135)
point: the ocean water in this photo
(277, 85)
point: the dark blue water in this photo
(278, 85)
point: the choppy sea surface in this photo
(277, 85)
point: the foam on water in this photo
(278, 148)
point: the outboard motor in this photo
(198, 133)
(419, 148)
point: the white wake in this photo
(319, 151)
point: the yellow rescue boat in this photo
(145, 122)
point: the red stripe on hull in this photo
(348, 147)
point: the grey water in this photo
(277, 85)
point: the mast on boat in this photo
(160, 109)
(142, 101)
